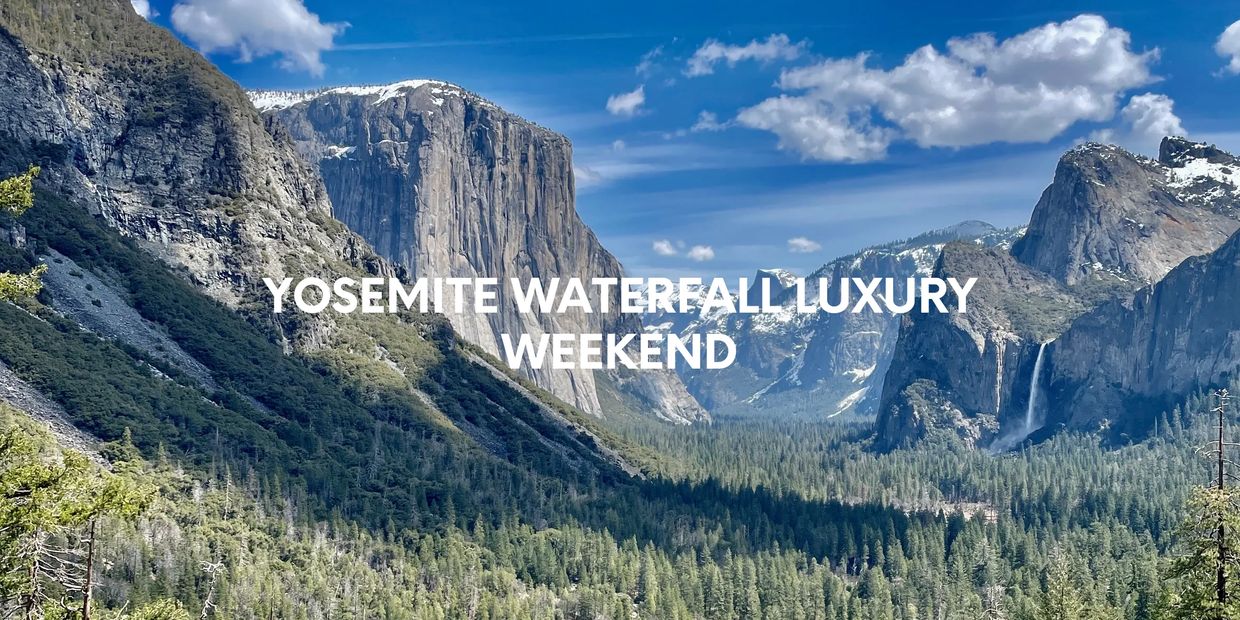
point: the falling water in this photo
(1031, 407)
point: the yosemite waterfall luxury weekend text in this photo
(455, 295)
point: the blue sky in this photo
(759, 137)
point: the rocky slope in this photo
(822, 364)
(1109, 224)
(967, 373)
(141, 136)
(445, 183)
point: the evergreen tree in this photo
(16, 196)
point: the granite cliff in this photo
(445, 184)
(824, 364)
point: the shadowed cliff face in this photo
(1127, 360)
(1109, 224)
(447, 184)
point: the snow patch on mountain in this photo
(266, 100)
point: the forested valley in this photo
(170, 450)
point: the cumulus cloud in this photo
(1228, 46)
(663, 247)
(143, 8)
(803, 245)
(1028, 88)
(708, 121)
(649, 62)
(1151, 117)
(775, 47)
(817, 130)
(627, 104)
(701, 253)
(256, 29)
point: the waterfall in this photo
(1034, 382)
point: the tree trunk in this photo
(90, 566)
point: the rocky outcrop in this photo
(162, 148)
(1110, 214)
(170, 152)
(822, 364)
(968, 373)
(446, 184)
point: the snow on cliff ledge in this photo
(266, 100)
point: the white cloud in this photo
(255, 29)
(707, 121)
(663, 247)
(143, 8)
(627, 104)
(816, 130)
(701, 253)
(648, 63)
(803, 245)
(1145, 121)
(618, 145)
(1151, 118)
(1228, 46)
(775, 47)
(1028, 88)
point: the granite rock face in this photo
(975, 366)
(161, 147)
(1111, 213)
(446, 184)
(1131, 359)
(191, 173)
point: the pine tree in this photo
(50, 506)
(1060, 601)
(16, 196)
(1210, 537)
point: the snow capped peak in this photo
(783, 276)
(266, 100)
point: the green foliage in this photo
(15, 286)
(163, 609)
(47, 495)
(1195, 568)
(16, 196)
(17, 193)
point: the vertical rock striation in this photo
(447, 184)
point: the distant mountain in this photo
(1110, 225)
(821, 364)
(445, 183)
